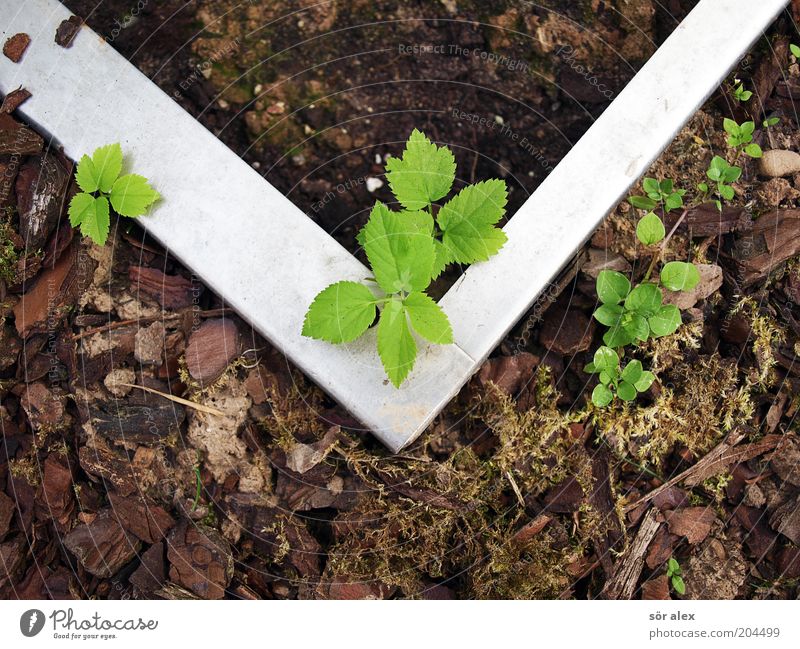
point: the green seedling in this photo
(722, 174)
(795, 50)
(674, 575)
(616, 381)
(740, 137)
(770, 121)
(99, 178)
(739, 93)
(407, 249)
(658, 193)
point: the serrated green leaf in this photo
(626, 391)
(650, 229)
(642, 202)
(428, 319)
(467, 221)
(632, 372)
(441, 258)
(92, 214)
(396, 346)
(400, 254)
(107, 165)
(602, 396)
(424, 173)
(612, 287)
(86, 176)
(645, 381)
(666, 321)
(680, 276)
(644, 299)
(340, 313)
(131, 195)
(606, 358)
(608, 314)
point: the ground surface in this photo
(520, 488)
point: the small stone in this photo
(115, 378)
(149, 344)
(374, 184)
(776, 163)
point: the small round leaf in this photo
(601, 396)
(645, 299)
(679, 276)
(612, 287)
(608, 314)
(666, 321)
(626, 391)
(632, 372)
(645, 381)
(650, 229)
(606, 358)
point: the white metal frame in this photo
(219, 215)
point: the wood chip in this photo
(102, 547)
(622, 583)
(200, 560)
(215, 344)
(67, 30)
(692, 522)
(15, 47)
(145, 520)
(171, 291)
(17, 139)
(14, 100)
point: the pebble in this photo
(374, 184)
(776, 163)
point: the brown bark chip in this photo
(15, 47)
(200, 560)
(67, 31)
(102, 546)
(210, 349)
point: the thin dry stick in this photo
(213, 313)
(663, 245)
(184, 402)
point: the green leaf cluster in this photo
(616, 381)
(674, 574)
(408, 249)
(658, 193)
(722, 174)
(739, 92)
(740, 136)
(103, 187)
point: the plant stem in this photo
(663, 245)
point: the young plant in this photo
(674, 575)
(99, 178)
(722, 174)
(615, 381)
(770, 122)
(739, 93)
(740, 137)
(407, 249)
(795, 50)
(658, 193)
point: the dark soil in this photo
(261, 487)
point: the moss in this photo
(765, 333)
(9, 256)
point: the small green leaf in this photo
(401, 255)
(86, 176)
(645, 381)
(637, 327)
(340, 313)
(644, 299)
(795, 50)
(606, 358)
(753, 150)
(650, 229)
(650, 185)
(726, 191)
(673, 201)
(606, 377)
(131, 195)
(441, 258)
(730, 126)
(632, 372)
(626, 391)
(771, 121)
(731, 175)
(92, 215)
(108, 166)
(590, 368)
(608, 314)
(423, 174)
(642, 202)
(428, 319)
(617, 337)
(679, 585)
(673, 567)
(612, 287)
(396, 346)
(666, 321)
(679, 276)
(602, 396)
